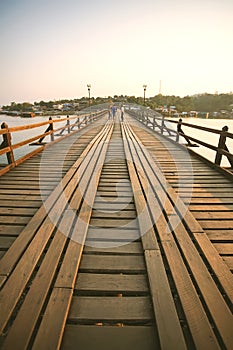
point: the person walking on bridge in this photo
(113, 111)
(122, 113)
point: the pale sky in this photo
(51, 49)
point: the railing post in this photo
(7, 143)
(153, 122)
(162, 125)
(178, 130)
(68, 123)
(221, 145)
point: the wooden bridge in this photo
(115, 237)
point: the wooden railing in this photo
(159, 123)
(53, 129)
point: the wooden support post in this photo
(178, 130)
(7, 143)
(68, 123)
(222, 146)
(154, 123)
(162, 125)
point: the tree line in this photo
(201, 102)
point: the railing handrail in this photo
(39, 124)
(149, 118)
(203, 128)
(6, 147)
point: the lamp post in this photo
(144, 87)
(89, 93)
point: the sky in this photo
(51, 49)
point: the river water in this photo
(202, 135)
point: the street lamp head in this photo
(88, 86)
(144, 86)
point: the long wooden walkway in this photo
(116, 238)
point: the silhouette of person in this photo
(180, 131)
(122, 113)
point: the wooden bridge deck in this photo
(123, 253)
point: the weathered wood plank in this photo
(124, 223)
(215, 235)
(28, 316)
(169, 327)
(131, 248)
(14, 220)
(114, 283)
(49, 335)
(5, 242)
(112, 234)
(112, 263)
(107, 337)
(10, 230)
(111, 309)
(121, 214)
(224, 248)
(200, 334)
(214, 224)
(17, 211)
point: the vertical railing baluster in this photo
(7, 143)
(222, 146)
(163, 124)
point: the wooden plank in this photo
(216, 215)
(203, 336)
(112, 206)
(115, 194)
(224, 248)
(121, 214)
(21, 204)
(123, 249)
(70, 265)
(32, 255)
(109, 337)
(14, 220)
(5, 242)
(112, 263)
(50, 332)
(218, 207)
(2, 277)
(114, 283)
(215, 224)
(10, 230)
(17, 211)
(125, 223)
(16, 250)
(219, 235)
(20, 197)
(28, 316)
(115, 309)
(144, 219)
(169, 328)
(15, 285)
(112, 234)
(229, 261)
